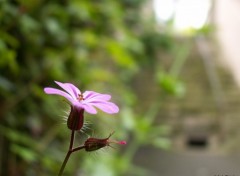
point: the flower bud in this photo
(92, 144)
(76, 118)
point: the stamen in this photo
(80, 97)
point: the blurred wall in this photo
(227, 20)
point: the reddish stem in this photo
(70, 151)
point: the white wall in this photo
(227, 19)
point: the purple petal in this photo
(98, 98)
(49, 90)
(75, 90)
(107, 107)
(67, 88)
(90, 109)
(88, 94)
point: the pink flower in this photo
(89, 100)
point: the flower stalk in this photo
(70, 151)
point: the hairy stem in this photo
(78, 148)
(70, 151)
(71, 140)
(64, 162)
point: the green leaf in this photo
(127, 118)
(25, 153)
(17, 136)
(171, 85)
(120, 55)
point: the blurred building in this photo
(206, 121)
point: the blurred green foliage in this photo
(100, 45)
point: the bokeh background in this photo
(172, 67)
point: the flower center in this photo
(80, 97)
